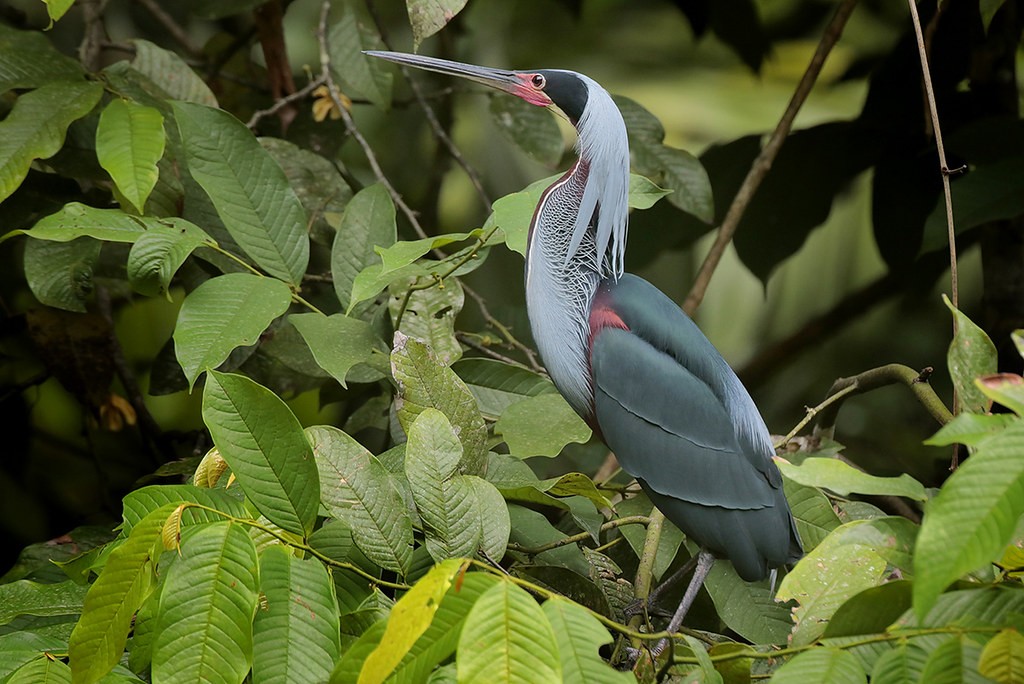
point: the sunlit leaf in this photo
(973, 516)
(204, 630)
(971, 354)
(1003, 657)
(42, 670)
(844, 479)
(970, 428)
(129, 143)
(821, 665)
(507, 638)
(579, 636)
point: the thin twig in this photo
(503, 330)
(469, 340)
(813, 411)
(179, 34)
(432, 119)
(582, 536)
(350, 124)
(759, 169)
(284, 102)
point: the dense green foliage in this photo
(402, 528)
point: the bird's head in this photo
(603, 144)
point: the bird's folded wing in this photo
(668, 428)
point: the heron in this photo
(627, 359)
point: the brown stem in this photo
(283, 102)
(763, 163)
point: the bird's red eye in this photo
(538, 81)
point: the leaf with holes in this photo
(223, 313)
(204, 630)
(263, 443)
(429, 315)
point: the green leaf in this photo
(424, 383)
(445, 500)
(30, 59)
(1004, 388)
(748, 608)
(813, 512)
(140, 648)
(204, 630)
(405, 252)
(427, 17)
(541, 426)
(368, 222)
(438, 642)
(223, 313)
(579, 636)
(854, 557)
(970, 429)
(971, 354)
(25, 597)
(143, 501)
(158, 253)
(174, 77)
(249, 190)
(973, 516)
(357, 73)
(507, 638)
(497, 385)
(76, 220)
(296, 632)
(844, 479)
(955, 661)
(338, 342)
(60, 274)
(1003, 657)
(821, 665)
(513, 213)
(263, 443)
(410, 618)
(43, 670)
(674, 169)
(904, 663)
(988, 11)
(871, 611)
(129, 143)
(99, 638)
(492, 513)
(36, 126)
(348, 668)
(530, 127)
(429, 315)
(357, 489)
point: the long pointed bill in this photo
(516, 83)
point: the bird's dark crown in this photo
(567, 91)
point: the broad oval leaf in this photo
(748, 608)
(356, 488)
(296, 631)
(204, 629)
(99, 638)
(355, 71)
(31, 60)
(36, 126)
(973, 516)
(60, 274)
(129, 143)
(42, 670)
(145, 500)
(263, 443)
(497, 385)
(429, 315)
(170, 73)
(223, 313)
(541, 426)
(157, 254)
(249, 190)
(338, 342)
(507, 638)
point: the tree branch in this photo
(763, 163)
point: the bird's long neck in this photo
(560, 285)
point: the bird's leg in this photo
(704, 562)
(637, 606)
